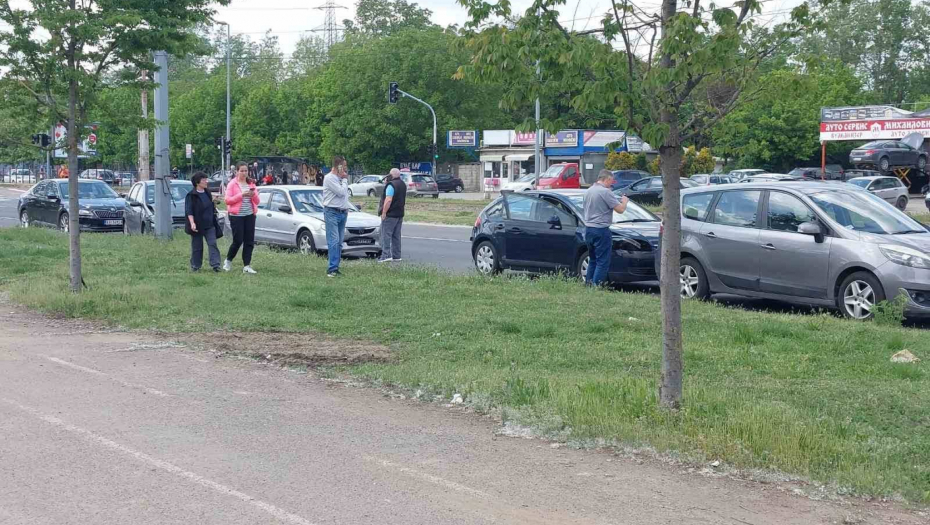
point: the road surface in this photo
(114, 428)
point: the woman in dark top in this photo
(201, 213)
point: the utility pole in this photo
(144, 135)
(162, 158)
(227, 161)
(435, 146)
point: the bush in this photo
(620, 161)
(654, 168)
(642, 163)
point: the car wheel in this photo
(350, 192)
(693, 280)
(902, 203)
(883, 164)
(436, 196)
(921, 162)
(24, 218)
(459, 188)
(859, 294)
(64, 224)
(486, 259)
(371, 193)
(581, 266)
(305, 243)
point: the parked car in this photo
(543, 231)
(448, 182)
(771, 177)
(703, 179)
(738, 175)
(421, 184)
(370, 185)
(565, 175)
(292, 216)
(140, 213)
(20, 176)
(890, 189)
(623, 178)
(46, 204)
(100, 174)
(125, 178)
(218, 181)
(833, 172)
(524, 183)
(649, 190)
(887, 154)
(816, 243)
(851, 174)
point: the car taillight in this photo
(661, 228)
(869, 152)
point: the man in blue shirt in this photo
(392, 216)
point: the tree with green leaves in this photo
(387, 17)
(61, 51)
(694, 161)
(620, 160)
(665, 75)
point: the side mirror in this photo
(285, 209)
(123, 195)
(554, 222)
(692, 214)
(134, 204)
(52, 197)
(811, 228)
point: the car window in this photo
(737, 208)
(548, 207)
(263, 198)
(520, 207)
(655, 183)
(134, 192)
(277, 201)
(630, 176)
(571, 173)
(700, 179)
(495, 209)
(695, 206)
(787, 212)
(39, 189)
(53, 189)
(639, 186)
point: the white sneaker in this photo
(397, 260)
(249, 270)
(385, 260)
(227, 265)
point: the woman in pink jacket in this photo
(242, 206)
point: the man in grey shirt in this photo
(335, 212)
(600, 203)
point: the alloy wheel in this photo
(689, 281)
(371, 193)
(484, 259)
(24, 219)
(459, 189)
(859, 299)
(583, 267)
(883, 164)
(305, 244)
(64, 224)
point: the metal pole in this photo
(162, 159)
(144, 161)
(433, 160)
(228, 135)
(538, 160)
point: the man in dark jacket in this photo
(393, 200)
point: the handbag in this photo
(216, 224)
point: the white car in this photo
(738, 175)
(524, 183)
(21, 176)
(370, 185)
(890, 189)
(292, 216)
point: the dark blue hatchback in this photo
(543, 231)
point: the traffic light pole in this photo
(435, 146)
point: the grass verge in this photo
(434, 211)
(810, 395)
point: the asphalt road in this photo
(114, 428)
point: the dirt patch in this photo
(287, 348)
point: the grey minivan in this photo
(809, 242)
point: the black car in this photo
(100, 174)
(46, 204)
(649, 190)
(832, 172)
(217, 182)
(447, 183)
(543, 231)
(886, 154)
(623, 178)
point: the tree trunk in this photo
(670, 386)
(74, 226)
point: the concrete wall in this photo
(471, 174)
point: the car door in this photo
(907, 156)
(281, 224)
(51, 201)
(134, 212)
(35, 203)
(637, 190)
(557, 242)
(262, 225)
(730, 241)
(522, 232)
(791, 263)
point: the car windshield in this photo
(688, 183)
(862, 211)
(90, 190)
(311, 201)
(633, 212)
(862, 183)
(872, 145)
(422, 178)
(178, 192)
(527, 178)
(552, 172)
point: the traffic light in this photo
(392, 93)
(35, 139)
(218, 142)
(227, 147)
(41, 139)
(435, 150)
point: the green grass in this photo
(810, 395)
(434, 211)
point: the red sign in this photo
(92, 139)
(524, 138)
(873, 129)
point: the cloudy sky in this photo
(290, 19)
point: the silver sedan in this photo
(292, 216)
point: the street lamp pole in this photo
(433, 160)
(226, 160)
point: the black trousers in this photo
(243, 230)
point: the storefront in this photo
(589, 149)
(505, 156)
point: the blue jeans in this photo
(335, 233)
(600, 245)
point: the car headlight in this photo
(905, 256)
(86, 213)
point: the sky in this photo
(291, 19)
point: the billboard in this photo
(862, 113)
(873, 129)
(87, 147)
(601, 139)
(462, 139)
(521, 138)
(562, 139)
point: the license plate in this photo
(857, 158)
(114, 222)
(360, 241)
